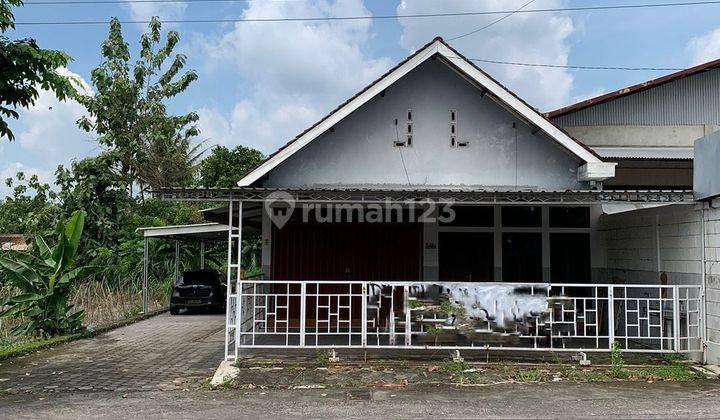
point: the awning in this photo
(660, 153)
(415, 196)
(204, 232)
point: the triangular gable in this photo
(594, 168)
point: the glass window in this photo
(570, 257)
(570, 217)
(522, 257)
(519, 216)
(466, 256)
(471, 216)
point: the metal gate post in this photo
(363, 315)
(611, 317)
(676, 317)
(238, 281)
(202, 255)
(303, 291)
(228, 286)
(177, 260)
(406, 302)
(145, 299)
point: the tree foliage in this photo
(24, 69)
(44, 281)
(129, 114)
(224, 167)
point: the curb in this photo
(83, 335)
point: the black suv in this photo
(198, 289)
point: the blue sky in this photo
(262, 83)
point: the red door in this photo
(347, 251)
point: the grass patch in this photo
(450, 366)
(23, 347)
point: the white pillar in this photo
(145, 300)
(202, 255)
(238, 279)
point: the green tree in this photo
(129, 114)
(223, 168)
(43, 282)
(94, 185)
(31, 208)
(25, 68)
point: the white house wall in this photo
(641, 245)
(712, 280)
(360, 151)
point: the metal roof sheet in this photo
(677, 153)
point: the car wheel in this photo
(174, 311)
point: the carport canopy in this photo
(202, 233)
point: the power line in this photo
(559, 66)
(75, 2)
(361, 17)
(491, 23)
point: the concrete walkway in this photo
(163, 352)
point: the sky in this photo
(261, 83)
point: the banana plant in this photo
(43, 282)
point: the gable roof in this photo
(640, 87)
(436, 48)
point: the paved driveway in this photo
(163, 352)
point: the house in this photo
(12, 242)
(437, 209)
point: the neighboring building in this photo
(649, 128)
(12, 242)
(549, 248)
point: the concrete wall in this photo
(359, 151)
(706, 177)
(640, 135)
(712, 279)
(642, 245)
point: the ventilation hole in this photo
(409, 128)
(452, 141)
(452, 116)
(452, 128)
(409, 140)
(409, 116)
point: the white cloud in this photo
(44, 175)
(298, 71)
(253, 126)
(49, 129)
(523, 37)
(145, 11)
(706, 47)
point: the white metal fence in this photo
(485, 316)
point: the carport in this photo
(201, 234)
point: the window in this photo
(471, 216)
(522, 257)
(570, 257)
(520, 216)
(570, 217)
(466, 256)
(453, 128)
(409, 129)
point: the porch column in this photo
(431, 259)
(238, 279)
(266, 248)
(145, 299)
(545, 210)
(177, 260)
(202, 255)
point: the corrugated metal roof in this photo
(675, 153)
(640, 87)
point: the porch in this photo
(514, 271)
